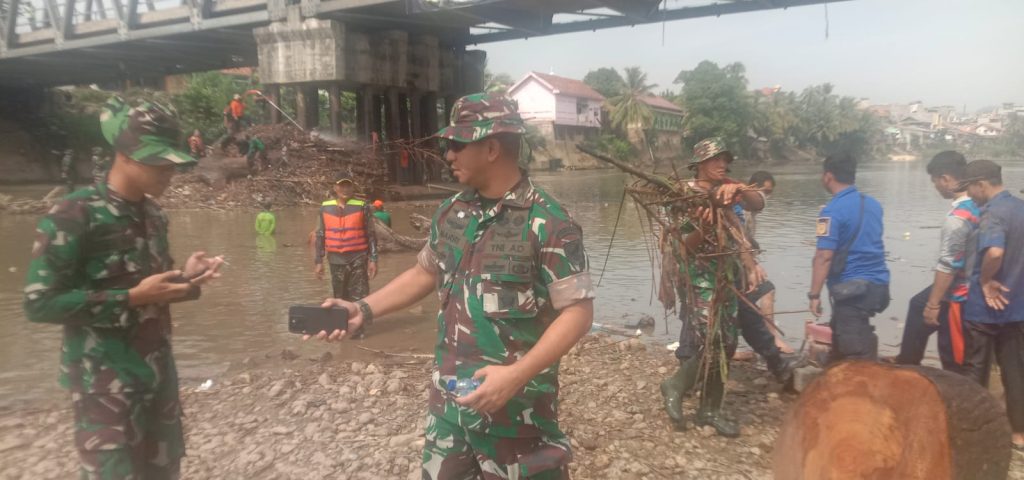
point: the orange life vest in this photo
(344, 227)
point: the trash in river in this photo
(205, 386)
(672, 346)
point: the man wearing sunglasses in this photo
(512, 275)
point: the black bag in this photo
(839, 258)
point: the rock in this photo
(245, 378)
(760, 382)
(12, 443)
(276, 389)
(662, 370)
(357, 367)
(602, 461)
(281, 430)
(326, 357)
(324, 380)
(588, 443)
(288, 354)
(365, 418)
(755, 450)
(803, 376)
(402, 440)
(393, 386)
(372, 369)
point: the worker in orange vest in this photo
(345, 236)
(234, 113)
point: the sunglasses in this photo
(452, 145)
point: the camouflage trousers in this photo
(694, 332)
(350, 281)
(455, 453)
(129, 435)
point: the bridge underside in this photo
(57, 42)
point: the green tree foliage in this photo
(627, 109)
(717, 103)
(201, 106)
(606, 81)
(497, 82)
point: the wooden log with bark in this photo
(216, 171)
(865, 420)
(390, 241)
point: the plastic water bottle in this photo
(463, 386)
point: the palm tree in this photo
(628, 109)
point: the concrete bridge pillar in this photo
(273, 92)
(334, 93)
(307, 106)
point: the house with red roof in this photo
(558, 101)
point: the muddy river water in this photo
(243, 314)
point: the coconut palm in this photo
(628, 109)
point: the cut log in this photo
(389, 241)
(217, 171)
(864, 420)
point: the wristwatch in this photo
(365, 311)
(813, 296)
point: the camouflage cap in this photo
(707, 149)
(480, 115)
(148, 133)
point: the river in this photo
(243, 314)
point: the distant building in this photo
(558, 106)
(565, 111)
(668, 117)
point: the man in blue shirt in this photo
(994, 314)
(940, 305)
(851, 257)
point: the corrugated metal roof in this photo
(564, 86)
(661, 103)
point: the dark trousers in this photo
(755, 332)
(1007, 342)
(853, 336)
(350, 281)
(916, 334)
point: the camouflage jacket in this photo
(89, 250)
(502, 276)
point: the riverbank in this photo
(283, 416)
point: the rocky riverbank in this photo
(286, 417)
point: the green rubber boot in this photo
(710, 411)
(674, 388)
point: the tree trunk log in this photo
(863, 420)
(389, 241)
(216, 171)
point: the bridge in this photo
(58, 42)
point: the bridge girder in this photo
(77, 28)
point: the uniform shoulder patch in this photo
(824, 227)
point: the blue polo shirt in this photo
(1002, 226)
(836, 225)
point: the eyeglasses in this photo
(452, 145)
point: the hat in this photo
(148, 133)
(979, 170)
(237, 97)
(480, 115)
(707, 149)
(378, 204)
(343, 179)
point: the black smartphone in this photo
(313, 319)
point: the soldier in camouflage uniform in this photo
(101, 267)
(512, 275)
(708, 336)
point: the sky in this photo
(966, 53)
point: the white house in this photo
(559, 106)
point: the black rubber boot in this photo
(674, 388)
(782, 368)
(710, 411)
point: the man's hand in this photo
(500, 384)
(755, 277)
(371, 269)
(318, 270)
(931, 315)
(160, 288)
(355, 320)
(199, 269)
(727, 193)
(815, 307)
(705, 214)
(994, 297)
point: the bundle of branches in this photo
(695, 234)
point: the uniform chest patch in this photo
(824, 227)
